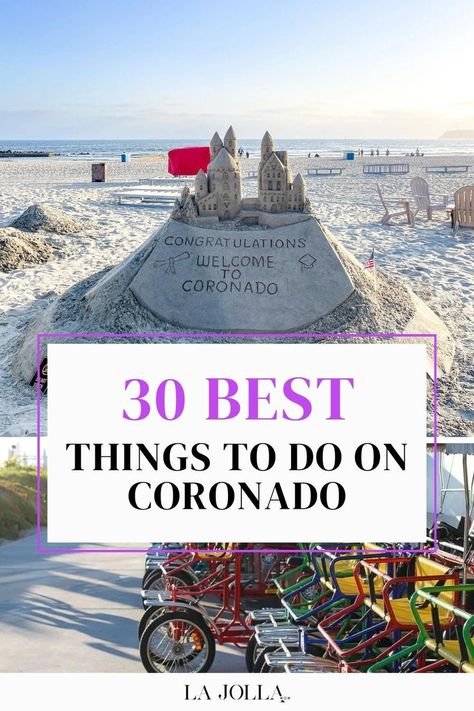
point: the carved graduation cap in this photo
(307, 262)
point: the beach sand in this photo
(436, 265)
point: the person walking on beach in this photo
(361, 152)
(387, 152)
(372, 152)
(377, 152)
(247, 154)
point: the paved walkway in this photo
(75, 613)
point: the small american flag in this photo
(370, 263)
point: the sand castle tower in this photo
(230, 142)
(277, 192)
(297, 195)
(219, 193)
(224, 184)
(200, 185)
(215, 145)
(266, 147)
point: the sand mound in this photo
(47, 219)
(18, 249)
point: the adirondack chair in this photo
(390, 204)
(463, 215)
(423, 200)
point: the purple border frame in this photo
(39, 336)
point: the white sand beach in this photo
(438, 266)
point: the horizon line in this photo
(247, 138)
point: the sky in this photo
(25, 446)
(301, 68)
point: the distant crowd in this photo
(360, 153)
(376, 152)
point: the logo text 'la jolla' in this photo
(236, 692)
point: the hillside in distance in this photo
(460, 133)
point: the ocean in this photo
(331, 147)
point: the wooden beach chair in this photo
(423, 200)
(390, 204)
(463, 213)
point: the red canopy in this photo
(188, 161)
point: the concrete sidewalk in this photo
(75, 612)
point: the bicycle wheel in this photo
(177, 642)
(260, 666)
(147, 574)
(252, 651)
(150, 614)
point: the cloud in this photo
(347, 116)
(27, 113)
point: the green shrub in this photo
(18, 498)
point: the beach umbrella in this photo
(188, 161)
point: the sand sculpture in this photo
(218, 194)
(223, 263)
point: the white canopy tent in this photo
(455, 491)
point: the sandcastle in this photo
(223, 263)
(208, 270)
(218, 194)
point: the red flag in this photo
(188, 161)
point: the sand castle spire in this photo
(230, 142)
(299, 182)
(267, 146)
(200, 184)
(216, 144)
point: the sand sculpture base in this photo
(292, 278)
(261, 280)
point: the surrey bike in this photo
(325, 584)
(179, 629)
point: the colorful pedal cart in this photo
(178, 631)
(436, 648)
(386, 622)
